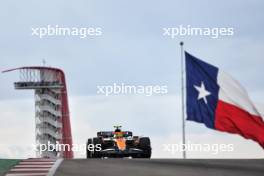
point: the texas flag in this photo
(220, 102)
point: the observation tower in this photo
(52, 116)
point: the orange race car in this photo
(119, 143)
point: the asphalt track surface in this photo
(160, 167)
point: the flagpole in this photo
(182, 101)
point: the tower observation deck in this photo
(52, 116)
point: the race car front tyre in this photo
(96, 154)
(88, 152)
(144, 144)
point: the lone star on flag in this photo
(203, 93)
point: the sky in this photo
(132, 50)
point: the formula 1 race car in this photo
(119, 144)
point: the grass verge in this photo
(6, 164)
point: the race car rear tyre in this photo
(88, 152)
(96, 154)
(144, 144)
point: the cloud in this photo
(132, 48)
